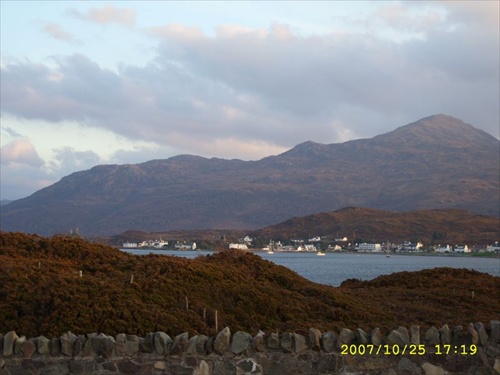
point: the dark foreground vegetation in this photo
(41, 292)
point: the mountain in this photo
(436, 162)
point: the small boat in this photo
(320, 253)
(271, 247)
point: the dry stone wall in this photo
(474, 349)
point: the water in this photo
(333, 268)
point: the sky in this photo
(115, 82)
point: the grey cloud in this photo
(267, 87)
(67, 160)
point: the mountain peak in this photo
(308, 148)
(439, 130)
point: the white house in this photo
(369, 247)
(309, 247)
(315, 239)
(239, 246)
(443, 249)
(334, 248)
(462, 249)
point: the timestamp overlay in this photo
(411, 349)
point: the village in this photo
(317, 244)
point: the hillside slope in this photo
(364, 224)
(436, 162)
(41, 292)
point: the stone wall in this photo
(459, 350)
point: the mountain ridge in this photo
(436, 162)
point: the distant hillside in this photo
(436, 162)
(363, 224)
(41, 292)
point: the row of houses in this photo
(342, 244)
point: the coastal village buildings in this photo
(369, 247)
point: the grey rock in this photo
(346, 337)
(431, 369)
(399, 337)
(459, 336)
(201, 344)
(9, 341)
(109, 366)
(314, 339)
(147, 345)
(180, 343)
(79, 345)
(67, 343)
(240, 342)
(129, 367)
(377, 338)
(329, 341)
(162, 343)
(249, 366)
(481, 331)
(406, 366)
(445, 335)
(329, 364)
(121, 342)
(259, 342)
(300, 343)
(286, 342)
(224, 368)
(197, 345)
(29, 348)
(362, 337)
(19, 344)
(496, 365)
(495, 331)
(55, 369)
(103, 345)
(1, 343)
(55, 347)
(82, 366)
(472, 334)
(415, 335)
(192, 345)
(273, 341)
(221, 342)
(132, 345)
(431, 336)
(202, 369)
(88, 347)
(42, 344)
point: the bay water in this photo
(334, 268)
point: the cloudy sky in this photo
(90, 82)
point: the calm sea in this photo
(333, 268)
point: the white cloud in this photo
(57, 32)
(107, 14)
(20, 152)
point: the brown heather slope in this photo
(41, 293)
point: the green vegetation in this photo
(41, 292)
